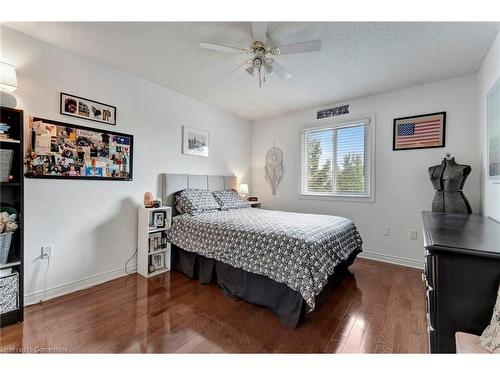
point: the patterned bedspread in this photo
(300, 250)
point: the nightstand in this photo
(255, 204)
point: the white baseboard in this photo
(392, 259)
(73, 286)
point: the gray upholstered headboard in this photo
(172, 183)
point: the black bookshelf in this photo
(12, 196)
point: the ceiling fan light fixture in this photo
(261, 62)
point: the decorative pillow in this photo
(490, 339)
(195, 201)
(229, 199)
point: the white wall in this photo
(487, 76)
(403, 188)
(93, 224)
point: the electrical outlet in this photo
(412, 234)
(47, 251)
(385, 232)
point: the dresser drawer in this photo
(9, 293)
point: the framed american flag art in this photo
(423, 131)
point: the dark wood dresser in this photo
(462, 274)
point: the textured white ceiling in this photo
(357, 59)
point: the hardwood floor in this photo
(378, 309)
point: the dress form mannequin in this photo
(448, 179)
(436, 174)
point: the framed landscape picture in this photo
(87, 109)
(423, 131)
(494, 132)
(66, 151)
(194, 141)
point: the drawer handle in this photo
(424, 279)
(431, 328)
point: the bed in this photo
(285, 261)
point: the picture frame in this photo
(419, 132)
(493, 132)
(155, 242)
(59, 150)
(158, 261)
(195, 141)
(158, 219)
(76, 106)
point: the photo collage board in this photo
(61, 150)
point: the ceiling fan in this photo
(262, 61)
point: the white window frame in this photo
(329, 124)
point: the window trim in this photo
(329, 124)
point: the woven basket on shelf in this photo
(5, 240)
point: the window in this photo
(336, 159)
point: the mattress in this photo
(299, 250)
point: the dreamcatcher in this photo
(274, 167)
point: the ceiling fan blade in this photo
(279, 70)
(288, 49)
(259, 31)
(219, 47)
(238, 68)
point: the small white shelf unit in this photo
(153, 250)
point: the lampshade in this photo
(243, 189)
(8, 78)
